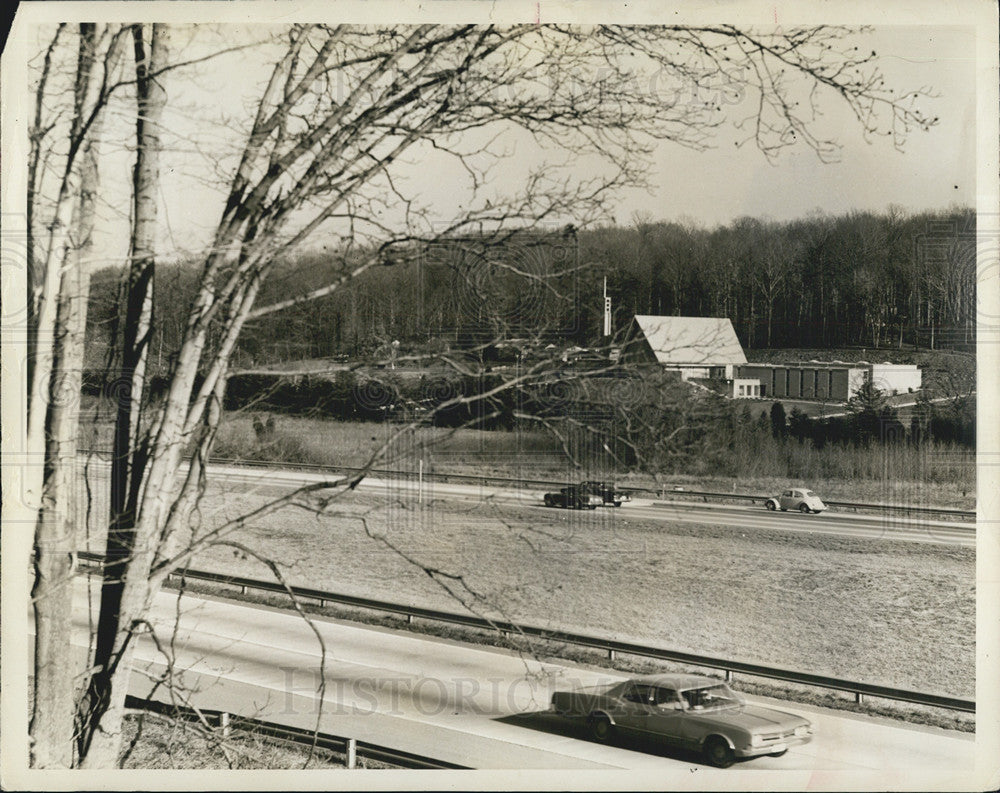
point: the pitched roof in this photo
(698, 341)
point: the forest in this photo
(880, 280)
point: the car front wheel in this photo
(804, 509)
(770, 505)
(601, 728)
(718, 753)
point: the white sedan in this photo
(804, 501)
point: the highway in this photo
(475, 706)
(897, 526)
(891, 526)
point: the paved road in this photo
(474, 706)
(908, 528)
(894, 526)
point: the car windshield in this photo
(715, 697)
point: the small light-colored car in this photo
(608, 493)
(803, 500)
(691, 711)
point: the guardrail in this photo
(612, 646)
(351, 748)
(893, 508)
(550, 484)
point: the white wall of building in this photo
(896, 378)
(745, 388)
(855, 379)
(687, 372)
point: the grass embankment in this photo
(932, 475)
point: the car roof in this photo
(680, 682)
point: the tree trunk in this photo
(770, 320)
(55, 540)
(124, 588)
(55, 535)
(139, 307)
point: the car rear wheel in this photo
(778, 754)
(770, 505)
(804, 509)
(718, 753)
(601, 728)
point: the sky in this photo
(936, 169)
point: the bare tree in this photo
(323, 153)
(63, 178)
(60, 313)
(128, 456)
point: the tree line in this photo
(881, 280)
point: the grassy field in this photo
(931, 476)
(887, 612)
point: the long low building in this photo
(836, 381)
(707, 349)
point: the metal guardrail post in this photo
(224, 724)
(352, 753)
(729, 675)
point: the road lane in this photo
(470, 705)
(896, 526)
